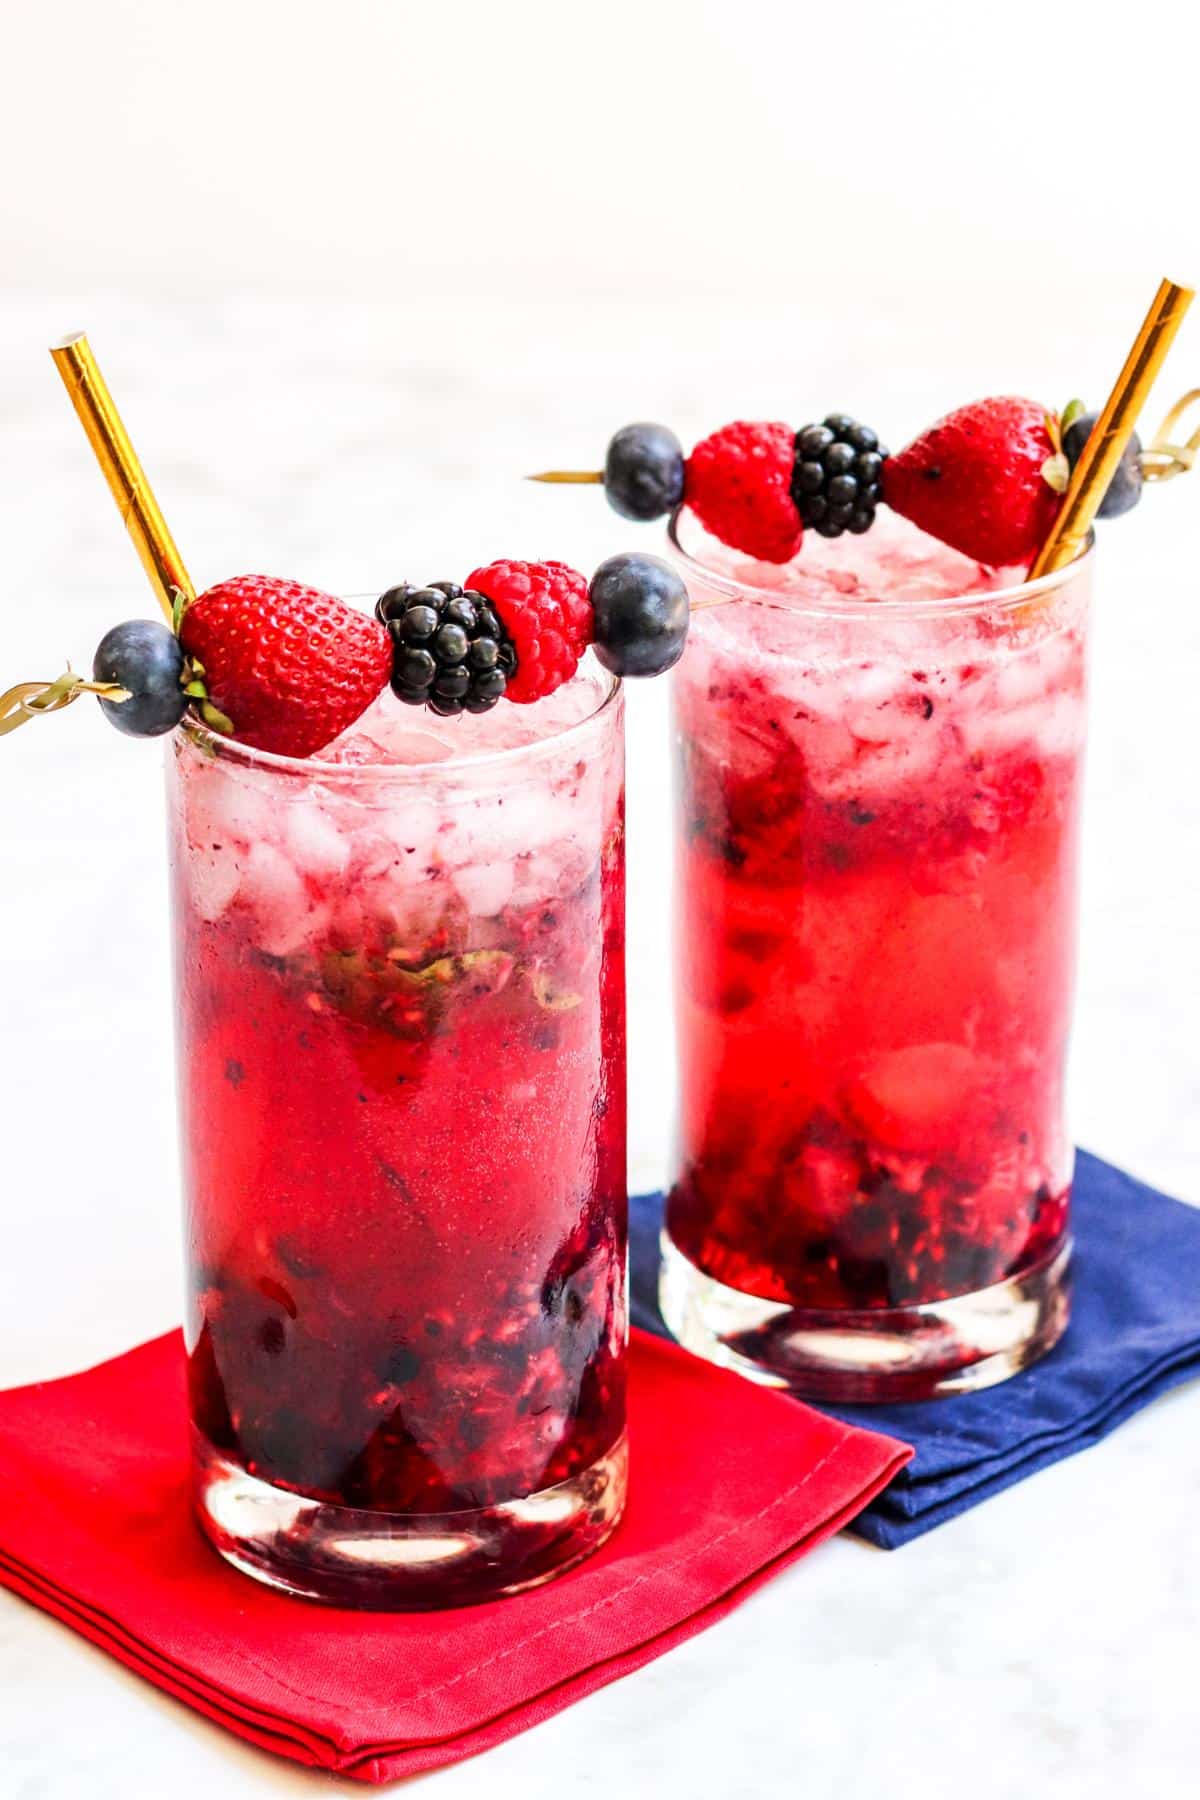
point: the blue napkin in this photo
(1134, 1333)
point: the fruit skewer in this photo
(998, 480)
(286, 668)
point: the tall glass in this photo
(402, 1068)
(878, 805)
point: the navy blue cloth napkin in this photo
(1134, 1333)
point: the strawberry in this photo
(290, 667)
(976, 480)
(739, 485)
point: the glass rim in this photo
(219, 748)
(1015, 595)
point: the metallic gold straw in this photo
(1107, 442)
(122, 470)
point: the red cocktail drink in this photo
(400, 971)
(879, 753)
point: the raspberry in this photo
(739, 487)
(545, 610)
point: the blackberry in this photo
(835, 477)
(450, 651)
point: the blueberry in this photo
(1125, 488)
(643, 471)
(641, 608)
(144, 656)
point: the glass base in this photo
(404, 1562)
(901, 1353)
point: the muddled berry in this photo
(145, 657)
(644, 472)
(835, 479)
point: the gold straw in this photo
(122, 470)
(1107, 442)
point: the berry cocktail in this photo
(879, 768)
(400, 968)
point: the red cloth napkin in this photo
(729, 1484)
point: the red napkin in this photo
(729, 1484)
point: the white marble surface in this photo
(1043, 1643)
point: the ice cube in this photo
(486, 888)
(224, 803)
(213, 878)
(279, 898)
(313, 842)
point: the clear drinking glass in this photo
(402, 1068)
(878, 804)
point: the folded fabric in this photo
(1134, 1333)
(729, 1484)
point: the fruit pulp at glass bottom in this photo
(873, 1011)
(407, 1228)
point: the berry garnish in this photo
(643, 472)
(641, 614)
(977, 480)
(144, 657)
(739, 484)
(291, 667)
(545, 611)
(1125, 488)
(450, 651)
(835, 478)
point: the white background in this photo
(351, 270)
